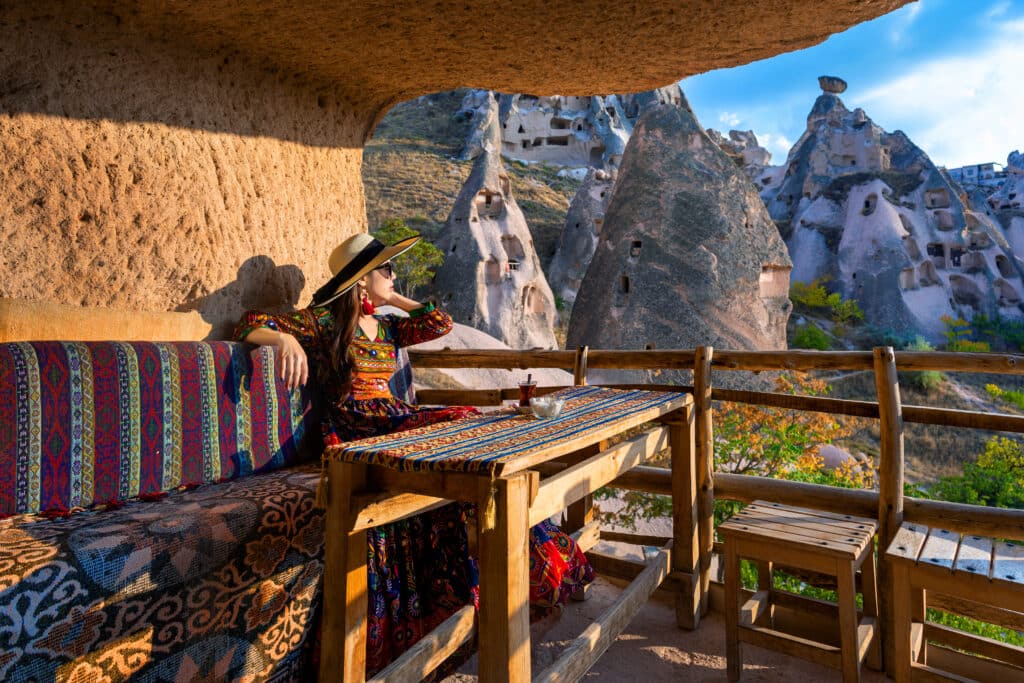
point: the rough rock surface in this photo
(491, 278)
(745, 151)
(579, 238)
(869, 211)
(208, 185)
(688, 255)
(1006, 205)
(151, 149)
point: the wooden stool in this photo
(984, 578)
(824, 542)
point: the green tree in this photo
(416, 267)
(810, 336)
(995, 480)
(959, 335)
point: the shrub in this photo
(810, 336)
(959, 335)
(928, 380)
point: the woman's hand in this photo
(291, 358)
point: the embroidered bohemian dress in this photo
(420, 569)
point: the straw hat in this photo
(354, 258)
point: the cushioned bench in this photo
(158, 520)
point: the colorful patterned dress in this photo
(420, 569)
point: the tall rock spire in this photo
(687, 254)
(491, 278)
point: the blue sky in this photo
(949, 73)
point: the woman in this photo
(420, 570)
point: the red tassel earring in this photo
(367, 305)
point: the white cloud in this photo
(959, 109)
(729, 118)
(1000, 9)
(776, 143)
(903, 20)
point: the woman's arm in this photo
(289, 334)
(423, 324)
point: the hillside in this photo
(410, 172)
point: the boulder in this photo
(491, 278)
(687, 254)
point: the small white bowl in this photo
(545, 407)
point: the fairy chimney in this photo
(491, 278)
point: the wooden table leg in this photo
(504, 619)
(685, 534)
(343, 637)
(582, 512)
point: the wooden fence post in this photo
(890, 486)
(705, 467)
(579, 370)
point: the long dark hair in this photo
(346, 317)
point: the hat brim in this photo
(386, 254)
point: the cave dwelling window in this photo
(911, 248)
(1004, 266)
(624, 284)
(870, 203)
(774, 281)
(944, 219)
(634, 248)
(936, 199)
(908, 279)
(521, 129)
(492, 271)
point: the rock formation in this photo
(1006, 204)
(743, 148)
(579, 238)
(688, 254)
(491, 278)
(869, 210)
(571, 131)
(151, 148)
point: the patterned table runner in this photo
(493, 443)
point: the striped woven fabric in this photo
(486, 444)
(83, 424)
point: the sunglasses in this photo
(386, 269)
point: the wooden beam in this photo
(747, 489)
(579, 370)
(704, 465)
(368, 510)
(507, 359)
(635, 539)
(429, 652)
(571, 484)
(890, 486)
(581, 654)
(587, 536)
(987, 647)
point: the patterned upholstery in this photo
(83, 424)
(217, 582)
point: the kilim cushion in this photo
(83, 424)
(216, 583)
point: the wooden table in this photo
(494, 461)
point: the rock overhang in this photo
(383, 52)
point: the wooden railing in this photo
(888, 504)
